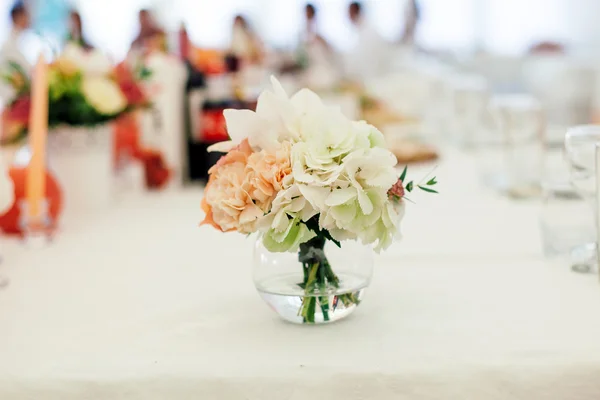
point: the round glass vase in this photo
(321, 283)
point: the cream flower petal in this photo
(344, 213)
(365, 202)
(307, 102)
(315, 195)
(340, 196)
(278, 114)
(221, 147)
(241, 124)
(250, 214)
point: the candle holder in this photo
(38, 230)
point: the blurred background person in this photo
(316, 55)
(370, 54)
(412, 17)
(245, 43)
(11, 49)
(75, 34)
(150, 36)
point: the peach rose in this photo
(267, 172)
(227, 201)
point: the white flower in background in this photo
(92, 62)
(97, 63)
(104, 95)
(73, 53)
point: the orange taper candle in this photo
(38, 129)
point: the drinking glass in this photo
(519, 120)
(564, 219)
(580, 151)
(469, 101)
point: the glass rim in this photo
(516, 101)
(582, 130)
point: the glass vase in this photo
(321, 283)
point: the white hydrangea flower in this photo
(341, 171)
(387, 228)
(284, 225)
(329, 137)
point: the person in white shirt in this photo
(10, 51)
(318, 57)
(245, 43)
(371, 54)
(411, 22)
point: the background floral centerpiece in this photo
(85, 89)
(303, 175)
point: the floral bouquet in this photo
(85, 89)
(302, 174)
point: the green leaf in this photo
(403, 174)
(409, 186)
(313, 225)
(310, 312)
(425, 189)
(432, 181)
(15, 66)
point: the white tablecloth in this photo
(141, 303)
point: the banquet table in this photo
(141, 303)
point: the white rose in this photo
(104, 95)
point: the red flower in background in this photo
(133, 93)
(18, 112)
(123, 72)
(157, 173)
(131, 89)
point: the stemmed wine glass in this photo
(580, 152)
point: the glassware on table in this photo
(321, 283)
(469, 100)
(520, 123)
(580, 152)
(564, 219)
